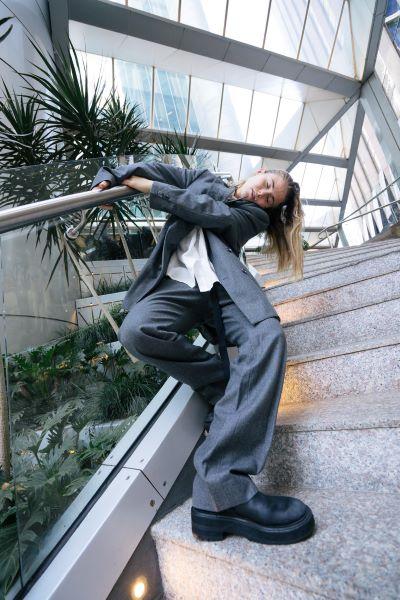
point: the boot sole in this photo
(215, 528)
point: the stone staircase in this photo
(336, 444)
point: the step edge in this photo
(329, 314)
(341, 350)
(331, 288)
(311, 276)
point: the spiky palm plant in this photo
(23, 139)
(124, 122)
(85, 122)
(178, 144)
(8, 31)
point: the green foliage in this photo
(8, 31)
(178, 145)
(71, 402)
(24, 140)
(106, 287)
(51, 467)
(77, 122)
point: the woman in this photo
(194, 278)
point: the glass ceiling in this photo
(332, 34)
(280, 119)
(223, 101)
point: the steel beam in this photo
(378, 19)
(383, 119)
(58, 10)
(317, 202)
(303, 154)
(146, 26)
(358, 124)
(317, 229)
(221, 145)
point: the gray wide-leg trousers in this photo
(245, 415)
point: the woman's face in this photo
(265, 189)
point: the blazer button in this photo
(244, 270)
(229, 249)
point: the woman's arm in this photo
(199, 209)
(155, 171)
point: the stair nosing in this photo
(331, 288)
(377, 252)
(334, 313)
(343, 349)
(310, 276)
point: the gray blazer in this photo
(199, 197)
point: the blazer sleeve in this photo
(156, 171)
(247, 222)
(199, 209)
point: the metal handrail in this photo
(350, 218)
(19, 216)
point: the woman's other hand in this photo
(141, 184)
(103, 185)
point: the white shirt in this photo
(190, 263)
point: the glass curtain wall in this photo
(331, 34)
(71, 390)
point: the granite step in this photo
(332, 251)
(353, 553)
(369, 290)
(355, 271)
(354, 367)
(320, 257)
(272, 277)
(372, 320)
(351, 443)
(266, 268)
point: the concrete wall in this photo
(16, 48)
(33, 315)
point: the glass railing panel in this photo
(71, 390)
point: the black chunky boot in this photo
(264, 519)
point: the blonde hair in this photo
(283, 236)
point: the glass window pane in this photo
(320, 216)
(250, 164)
(361, 20)
(99, 72)
(387, 68)
(288, 122)
(364, 155)
(285, 25)
(342, 58)
(170, 100)
(330, 183)
(205, 102)
(246, 22)
(163, 8)
(134, 83)
(319, 32)
(235, 113)
(229, 163)
(204, 14)
(263, 117)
